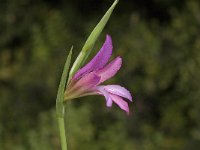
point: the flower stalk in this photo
(61, 125)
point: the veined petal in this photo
(103, 92)
(99, 60)
(118, 90)
(87, 82)
(110, 70)
(120, 102)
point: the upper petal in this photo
(120, 102)
(110, 70)
(99, 60)
(118, 90)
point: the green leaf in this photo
(61, 89)
(86, 50)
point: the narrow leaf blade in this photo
(61, 89)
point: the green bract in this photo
(91, 41)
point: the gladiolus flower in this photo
(87, 80)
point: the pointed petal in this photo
(110, 70)
(103, 92)
(87, 82)
(118, 90)
(120, 102)
(99, 60)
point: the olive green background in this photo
(159, 41)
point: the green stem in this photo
(61, 125)
(60, 108)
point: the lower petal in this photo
(120, 102)
(103, 92)
(118, 90)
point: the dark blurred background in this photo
(159, 41)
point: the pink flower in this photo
(87, 80)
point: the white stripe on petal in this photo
(118, 90)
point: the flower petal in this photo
(103, 92)
(118, 90)
(99, 60)
(87, 82)
(120, 102)
(110, 70)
